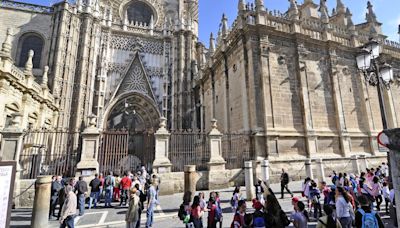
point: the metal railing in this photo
(237, 148)
(49, 152)
(189, 147)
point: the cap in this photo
(257, 205)
(295, 199)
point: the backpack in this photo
(368, 219)
(182, 212)
(218, 212)
(258, 221)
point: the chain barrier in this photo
(21, 193)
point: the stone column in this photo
(41, 204)
(259, 142)
(190, 179)
(308, 167)
(395, 174)
(216, 166)
(265, 170)
(11, 147)
(363, 163)
(355, 164)
(248, 175)
(161, 163)
(89, 164)
(320, 169)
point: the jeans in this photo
(317, 210)
(81, 204)
(53, 205)
(108, 197)
(68, 222)
(150, 214)
(93, 196)
(346, 222)
(197, 222)
(124, 196)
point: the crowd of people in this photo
(349, 201)
(132, 190)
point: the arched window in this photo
(30, 42)
(140, 12)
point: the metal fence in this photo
(236, 149)
(189, 147)
(123, 150)
(49, 152)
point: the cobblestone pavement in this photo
(165, 215)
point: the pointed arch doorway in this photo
(128, 139)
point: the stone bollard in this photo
(363, 163)
(41, 204)
(320, 169)
(248, 175)
(265, 170)
(308, 167)
(355, 164)
(190, 179)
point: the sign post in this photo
(7, 179)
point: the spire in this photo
(211, 49)
(224, 23)
(307, 2)
(151, 25)
(293, 10)
(29, 64)
(6, 46)
(370, 17)
(350, 23)
(241, 5)
(45, 78)
(323, 9)
(260, 5)
(340, 8)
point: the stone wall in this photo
(26, 193)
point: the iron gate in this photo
(123, 150)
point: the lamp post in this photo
(380, 74)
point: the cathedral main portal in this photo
(128, 140)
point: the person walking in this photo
(196, 213)
(151, 203)
(284, 184)
(365, 215)
(213, 210)
(81, 189)
(238, 219)
(328, 221)
(376, 192)
(56, 186)
(95, 186)
(125, 184)
(235, 198)
(109, 183)
(343, 207)
(299, 217)
(315, 195)
(68, 211)
(259, 191)
(386, 193)
(132, 217)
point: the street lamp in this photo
(375, 72)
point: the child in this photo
(315, 195)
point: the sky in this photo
(210, 13)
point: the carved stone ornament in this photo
(157, 6)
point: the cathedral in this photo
(289, 79)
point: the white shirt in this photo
(385, 192)
(385, 170)
(342, 208)
(391, 195)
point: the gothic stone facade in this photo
(103, 55)
(291, 79)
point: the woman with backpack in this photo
(328, 221)
(315, 195)
(365, 216)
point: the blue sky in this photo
(211, 11)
